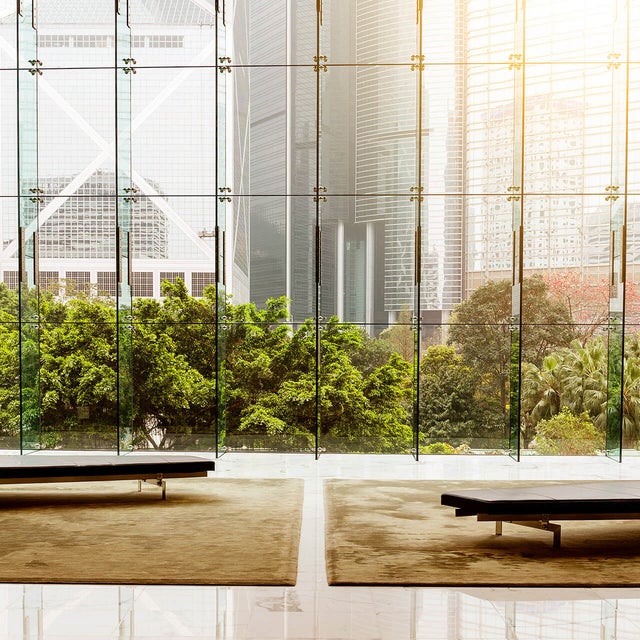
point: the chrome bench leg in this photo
(159, 482)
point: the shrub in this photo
(444, 449)
(438, 448)
(566, 434)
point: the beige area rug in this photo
(397, 533)
(209, 531)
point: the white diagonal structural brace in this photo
(108, 151)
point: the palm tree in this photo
(631, 402)
(573, 377)
(541, 389)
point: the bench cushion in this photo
(46, 467)
(618, 496)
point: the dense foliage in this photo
(568, 434)
(181, 370)
(264, 385)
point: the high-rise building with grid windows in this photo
(565, 118)
(174, 203)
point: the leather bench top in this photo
(40, 465)
(616, 496)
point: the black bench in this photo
(536, 506)
(18, 469)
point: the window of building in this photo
(49, 281)
(199, 281)
(107, 283)
(142, 284)
(10, 278)
(77, 282)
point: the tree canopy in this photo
(183, 367)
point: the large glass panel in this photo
(77, 277)
(273, 32)
(385, 129)
(517, 231)
(568, 125)
(368, 259)
(485, 31)
(269, 370)
(175, 240)
(279, 118)
(172, 238)
(174, 367)
(76, 110)
(373, 33)
(631, 390)
(67, 41)
(9, 328)
(490, 114)
(480, 326)
(633, 175)
(229, 216)
(8, 33)
(8, 135)
(275, 156)
(9, 245)
(77, 243)
(282, 251)
(570, 31)
(173, 253)
(79, 373)
(173, 34)
(631, 372)
(458, 412)
(268, 235)
(27, 240)
(365, 387)
(126, 192)
(565, 309)
(633, 24)
(220, 378)
(173, 131)
(615, 370)
(617, 199)
(471, 373)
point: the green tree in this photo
(10, 367)
(573, 377)
(174, 403)
(401, 336)
(273, 393)
(174, 369)
(78, 395)
(362, 409)
(480, 331)
(9, 383)
(451, 405)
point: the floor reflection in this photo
(232, 613)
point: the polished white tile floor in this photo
(313, 610)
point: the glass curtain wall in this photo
(320, 225)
